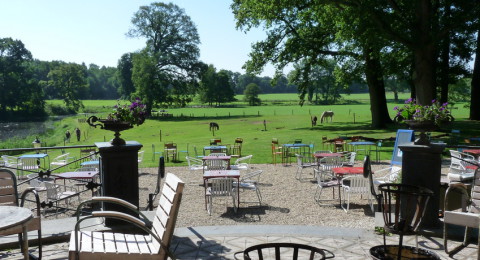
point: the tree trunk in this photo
(424, 54)
(475, 92)
(445, 65)
(376, 88)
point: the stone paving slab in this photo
(222, 243)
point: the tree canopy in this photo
(170, 58)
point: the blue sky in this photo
(93, 31)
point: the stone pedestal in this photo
(421, 166)
(119, 174)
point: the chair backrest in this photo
(475, 194)
(251, 176)
(245, 159)
(29, 163)
(329, 163)
(217, 154)
(52, 191)
(358, 184)
(193, 161)
(140, 156)
(350, 158)
(170, 146)
(8, 188)
(285, 251)
(367, 172)
(167, 212)
(215, 164)
(221, 186)
(302, 160)
(10, 161)
(275, 141)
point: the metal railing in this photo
(47, 172)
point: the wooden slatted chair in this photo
(107, 245)
(9, 197)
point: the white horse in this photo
(326, 115)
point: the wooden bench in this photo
(112, 245)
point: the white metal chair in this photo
(60, 160)
(140, 157)
(328, 163)
(194, 164)
(242, 163)
(11, 162)
(28, 165)
(355, 185)
(468, 217)
(387, 175)
(324, 181)
(350, 159)
(196, 152)
(58, 192)
(250, 181)
(221, 187)
(462, 166)
(302, 163)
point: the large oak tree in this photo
(165, 70)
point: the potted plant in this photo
(122, 118)
(423, 118)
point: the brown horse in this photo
(214, 126)
(314, 121)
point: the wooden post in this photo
(265, 124)
(160, 135)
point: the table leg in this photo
(25, 242)
(205, 188)
(238, 192)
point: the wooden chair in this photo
(154, 245)
(277, 150)
(170, 151)
(9, 197)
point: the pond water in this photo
(10, 130)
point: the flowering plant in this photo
(435, 113)
(134, 114)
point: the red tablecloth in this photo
(323, 155)
(475, 152)
(340, 171)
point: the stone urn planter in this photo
(111, 125)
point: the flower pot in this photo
(422, 127)
(111, 125)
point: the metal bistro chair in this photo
(221, 187)
(468, 217)
(403, 207)
(284, 251)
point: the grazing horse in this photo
(314, 121)
(326, 115)
(214, 126)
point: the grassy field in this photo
(189, 127)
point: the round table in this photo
(13, 216)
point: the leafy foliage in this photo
(165, 70)
(251, 95)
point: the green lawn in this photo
(190, 126)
